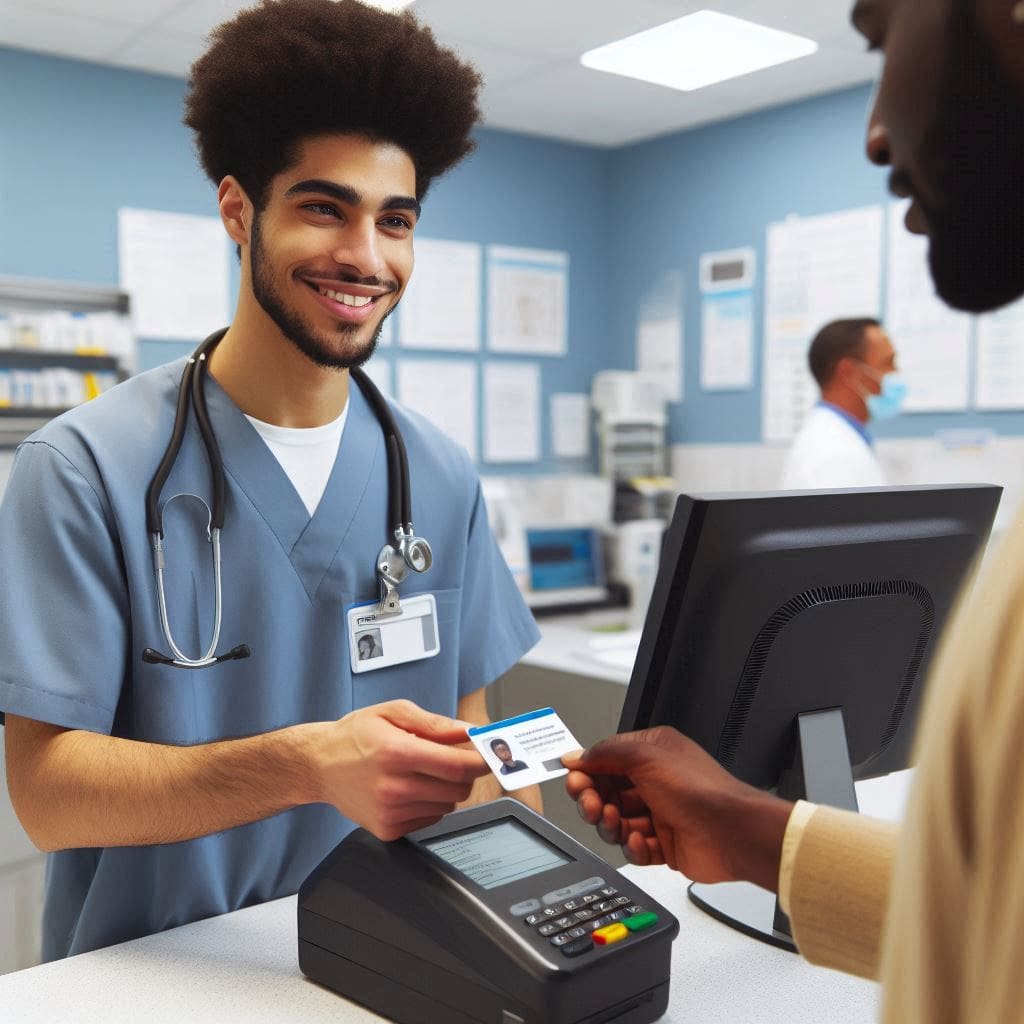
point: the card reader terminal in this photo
(491, 916)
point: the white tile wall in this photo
(758, 467)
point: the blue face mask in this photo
(887, 404)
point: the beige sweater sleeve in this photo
(834, 885)
(954, 946)
(950, 887)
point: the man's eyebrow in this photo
(402, 203)
(350, 196)
(343, 193)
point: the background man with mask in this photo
(854, 364)
(948, 117)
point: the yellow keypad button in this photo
(611, 933)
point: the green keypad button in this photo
(638, 922)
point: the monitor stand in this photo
(821, 773)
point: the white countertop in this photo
(242, 967)
(565, 646)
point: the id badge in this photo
(380, 641)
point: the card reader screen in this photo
(497, 854)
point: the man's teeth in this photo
(345, 299)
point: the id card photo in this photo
(379, 641)
(526, 749)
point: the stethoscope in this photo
(404, 552)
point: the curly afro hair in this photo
(287, 70)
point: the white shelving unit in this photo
(18, 295)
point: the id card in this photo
(524, 750)
(380, 641)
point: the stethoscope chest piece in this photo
(393, 565)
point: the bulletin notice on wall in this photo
(427, 386)
(659, 351)
(999, 373)
(932, 341)
(527, 300)
(441, 305)
(511, 412)
(175, 267)
(818, 269)
(727, 341)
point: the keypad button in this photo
(557, 895)
(561, 940)
(609, 891)
(549, 928)
(526, 907)
(583, 915)
(566, 922)
(591, 897)
(635, 909)
(572, 904)
(577, 933)
(587, 885)
(623, 900)
(638, 922)
(606, 905)
(534, 919)
(610, 935)
(578, 947)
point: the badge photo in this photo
(380, 641)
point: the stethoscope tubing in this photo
(403, 543)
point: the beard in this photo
(318, 346)
(976, 146)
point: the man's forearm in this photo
(84, 789)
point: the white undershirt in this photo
(306, 454)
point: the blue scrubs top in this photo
(79, 606)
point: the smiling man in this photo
(167, 791)
(934, 908)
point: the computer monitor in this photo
(789, 634)
(566, 566)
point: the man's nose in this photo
(877, 142)
(359, 250)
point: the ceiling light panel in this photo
(698, 50)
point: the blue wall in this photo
(79, 140)
(719, 188)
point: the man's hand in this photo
(393, 767)
(666, 801)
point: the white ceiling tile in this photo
(527, 50)
(166, 53)
(127, 12)
(558, 28)
(499, 65)
(197, 17)
(67, 35)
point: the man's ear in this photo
(847, 369)
(235, 210)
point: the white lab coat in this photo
(829, 452)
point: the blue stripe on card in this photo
(478, 730)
